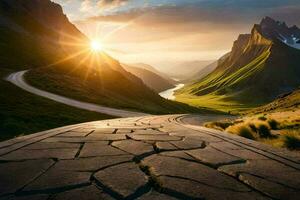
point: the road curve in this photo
(150, 157)
(17, 79)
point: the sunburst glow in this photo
(96, 45)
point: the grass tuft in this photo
(262, 118)
(292, 141)
(273, 124)
(263, 131)
(242, 130)
(221, 125)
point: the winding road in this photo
(17, 79)
(143, 157)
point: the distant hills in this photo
(185, 70)
(260, 66)
(152, 79)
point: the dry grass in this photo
(242, 130)
(262, 128)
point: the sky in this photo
(167, 32)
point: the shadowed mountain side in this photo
(104, 83)
(285, 102)
(37, 32)
(151, 79)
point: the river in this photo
(169, 94)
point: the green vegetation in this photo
(23, 113)
(225, 92)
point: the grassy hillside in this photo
(151, 79)
(22, 113)
(257, 70)
(217, 90)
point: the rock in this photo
(99, 149)
(124, 184)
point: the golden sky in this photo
(165, 32)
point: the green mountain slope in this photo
(258, 68)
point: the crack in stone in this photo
(212, 186)
(113, 193)
(157, 186)
(20, 190)
(79, 150)
(137, 193)
(253, 188)
(53, 190)
(246, 146)
(115, 131)
(216, 166)
(265, 178)
(185, 159)
(89, 133)
(237, 178)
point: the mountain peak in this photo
(271, 23)
(278, 30)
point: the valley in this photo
(147, 100)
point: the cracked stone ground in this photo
(153, 157)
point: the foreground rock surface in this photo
(152, 157)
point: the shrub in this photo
(273, 124)
(291, 141)
(262, 118)
(241, 130)
(263, 131)
(246, 133)
(253, 127)
(218, 125)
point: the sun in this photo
(96, 45)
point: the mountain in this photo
(206, 70)
(40, 36)
(154, 70)
(151, 79)
(260, 66)
(185, 70)
(33, 30)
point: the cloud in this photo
(86, 6)
(110, 4)
(155, 34)
(225, 13)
